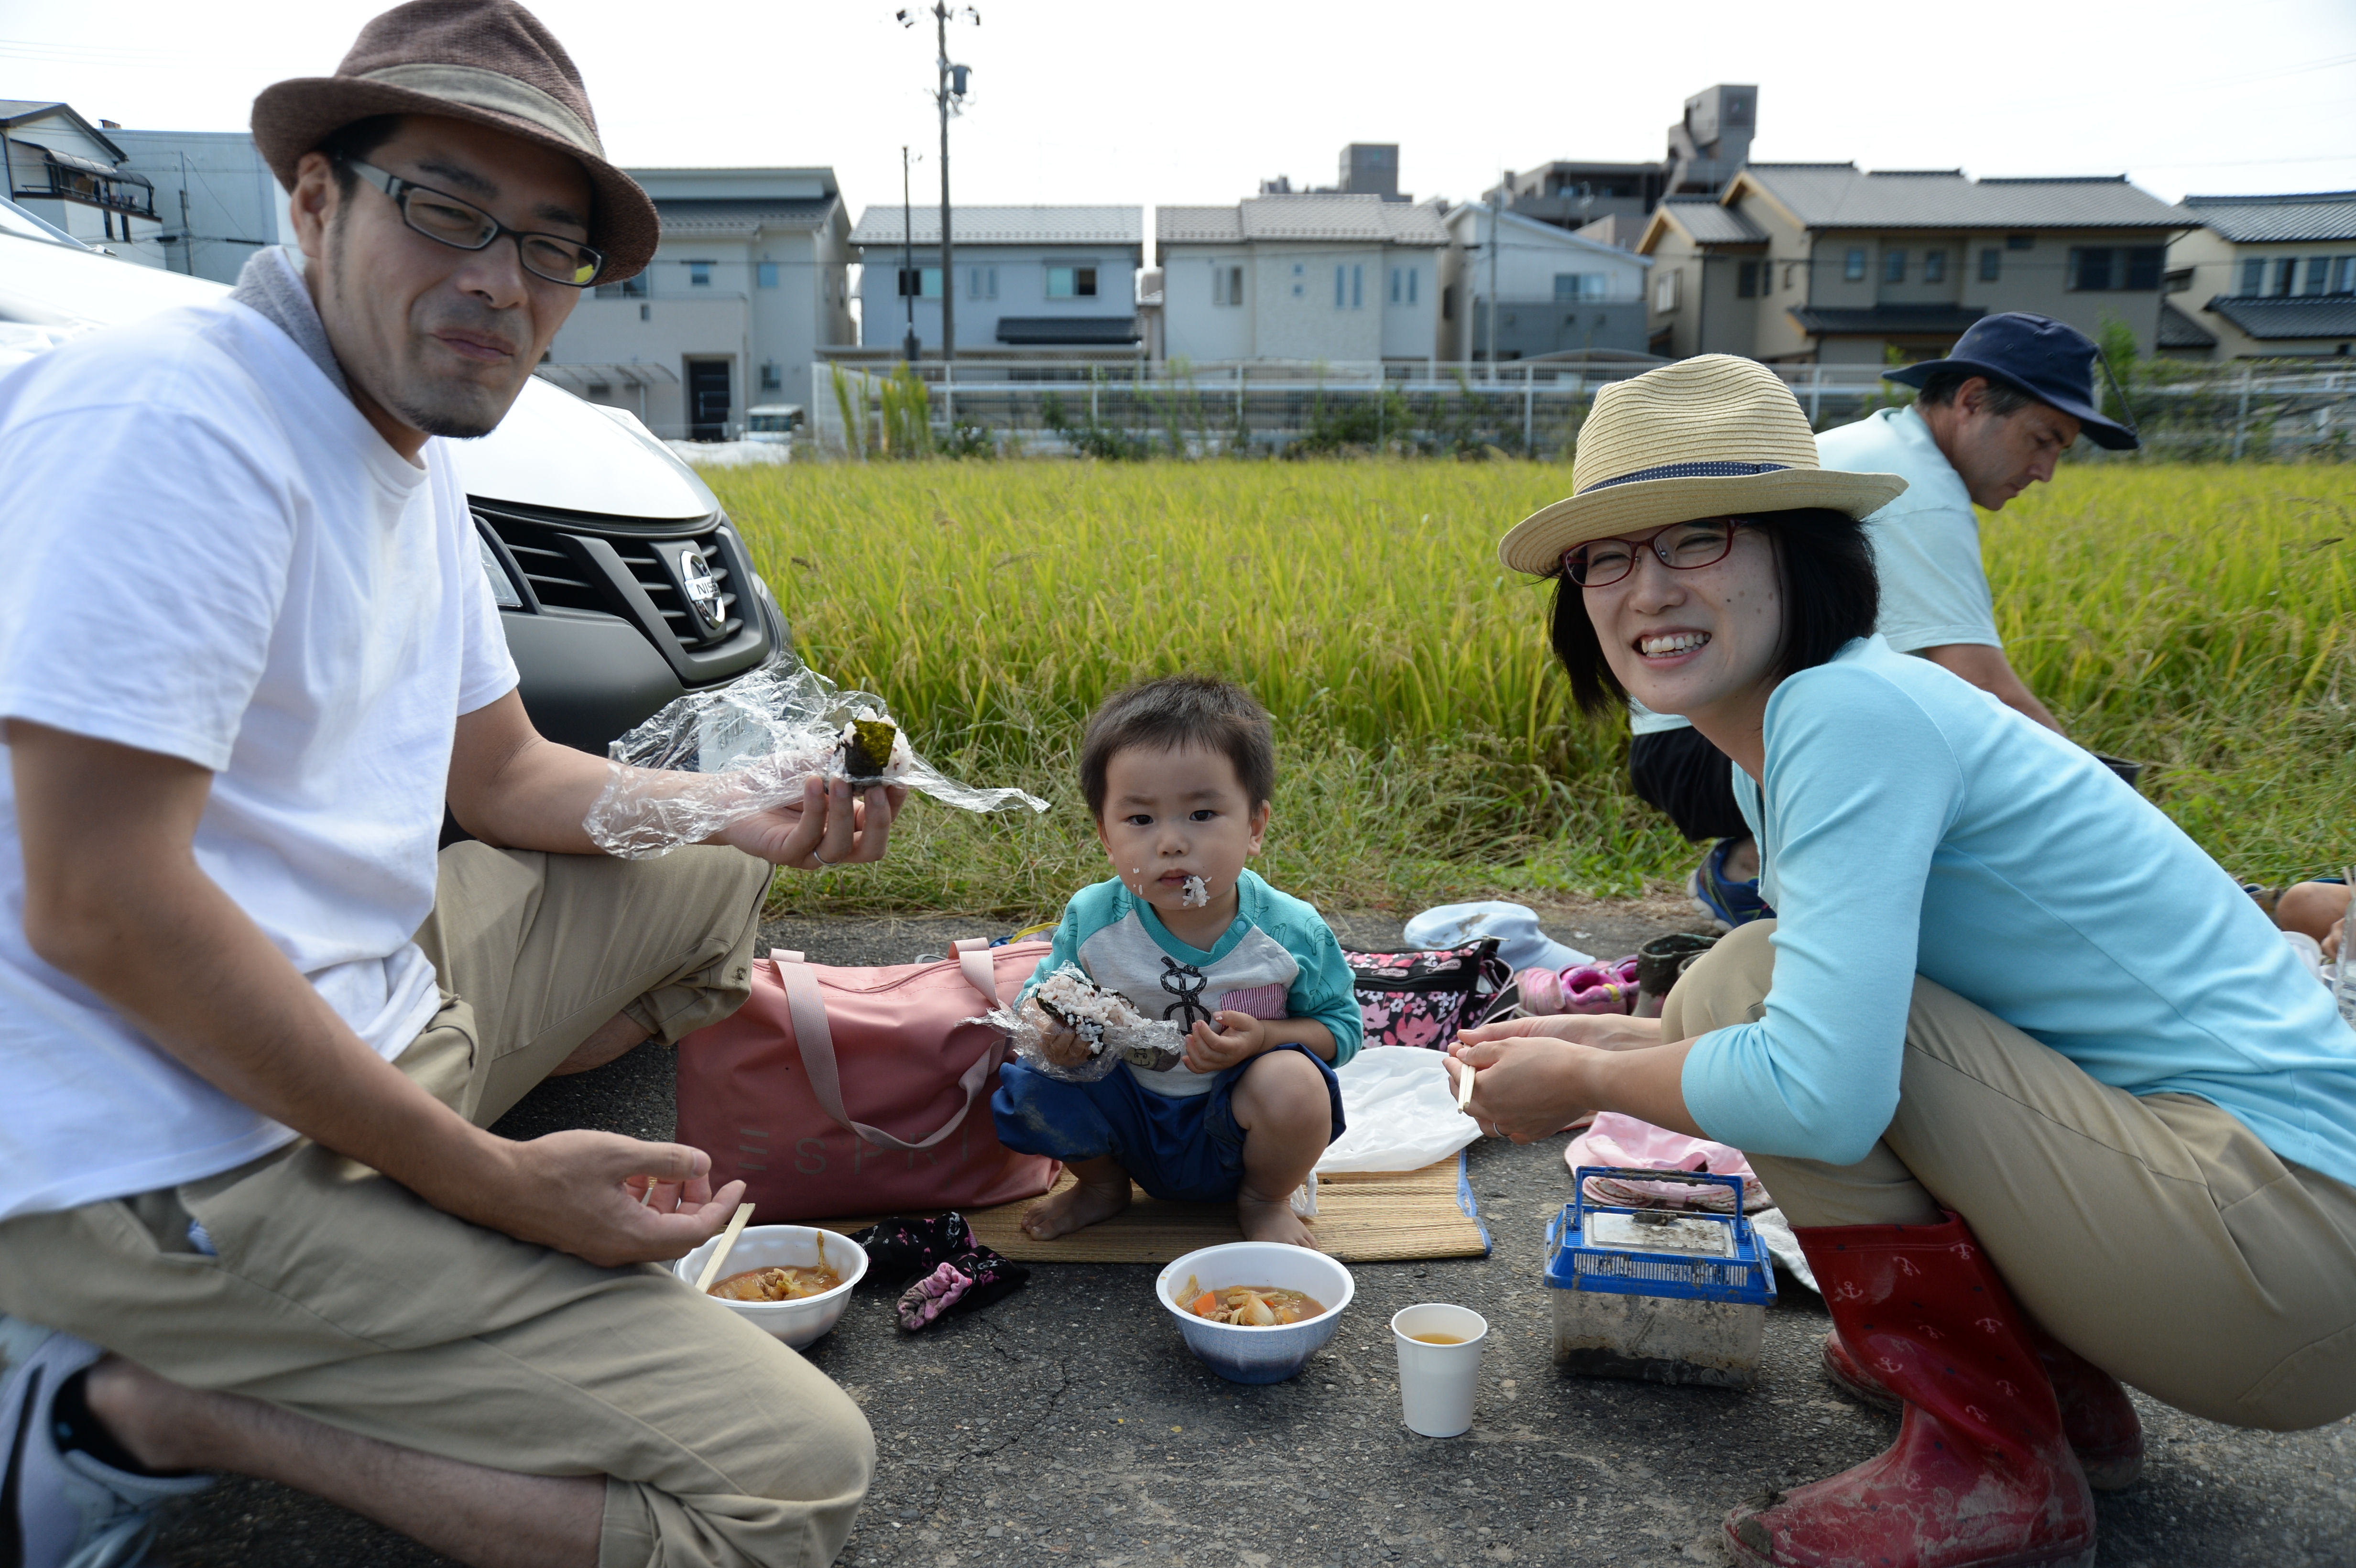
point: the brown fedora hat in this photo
(488, 61)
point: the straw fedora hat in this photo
(488, 61)
(1707, 437)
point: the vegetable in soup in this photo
(777, 1284)
(1248, 1305)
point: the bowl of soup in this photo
(1254, 1312)
(791, 1281)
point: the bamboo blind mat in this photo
(1365, 1217)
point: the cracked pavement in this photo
(1068, 1422)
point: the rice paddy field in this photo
(2201, 619)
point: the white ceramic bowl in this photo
(797, 1323)
(1244, 1355)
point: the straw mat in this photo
(1366, 1217)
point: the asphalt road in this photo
(1069, 1424)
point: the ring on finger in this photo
(821, 859)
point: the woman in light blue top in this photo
(2050, 1103)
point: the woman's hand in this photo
(1531, 1085)
(1605, 1031)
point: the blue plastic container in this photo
(1578, 1259)
(1671, 1296)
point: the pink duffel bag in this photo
(840, 1091)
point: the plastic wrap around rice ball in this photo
(748, 747)
(1103, 1019)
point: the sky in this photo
(1119, 102)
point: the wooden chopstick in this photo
(727, 1245)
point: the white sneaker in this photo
(65, 1510)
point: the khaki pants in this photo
(2155, 1236)
(339, 1294)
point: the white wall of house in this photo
(1301, 301)
(1537, 264)
(994, 282)
(752, 272)
(1207, 298)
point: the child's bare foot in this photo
(1074, 1208)
(1263, 1221)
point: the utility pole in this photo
(948, 93)
(912, 281)
(1495, 240)
(948, 263)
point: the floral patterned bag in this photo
(1424, 998)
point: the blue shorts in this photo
(1181, 1149)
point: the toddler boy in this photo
(1178, 774)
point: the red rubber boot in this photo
(2097, 1417)
(1981, 1475)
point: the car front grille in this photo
(563, 575)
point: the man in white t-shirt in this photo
(1989, 420)
(251, 1025)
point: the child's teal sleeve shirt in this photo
(1323, 989)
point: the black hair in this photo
(1174, 713)
(1824, 566)
(2002, 400)
(357, 140)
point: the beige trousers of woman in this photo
(2154, 1235)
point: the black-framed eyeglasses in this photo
(465, 226)
(1682, 547)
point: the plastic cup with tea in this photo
(1439, 1350)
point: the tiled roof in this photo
(1085, 330)
(1876, 320)
(1710, 224)
(1840, 196)
(1197, 226)
(2177, 330)
(721, 218)
(2321, 316)
(1365, 219)
(2256, 220)
(1005, 226)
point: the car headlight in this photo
(503, 588)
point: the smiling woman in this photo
(1972, 1039)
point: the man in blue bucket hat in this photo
(1990, 419)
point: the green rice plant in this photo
(908, 415)
(854, 413)
(2195, 618)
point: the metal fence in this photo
(1130, 407)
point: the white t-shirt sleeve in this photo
(486, 671)
(148, 551)
(1934, 591)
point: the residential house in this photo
(751, 279)
(1031, 281)
(1308, 278)
(1552, 291)
(2266, 277)
(217, 201)
(1826, 263)
(63, 168)
(1707, 145)
(1572, 195)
